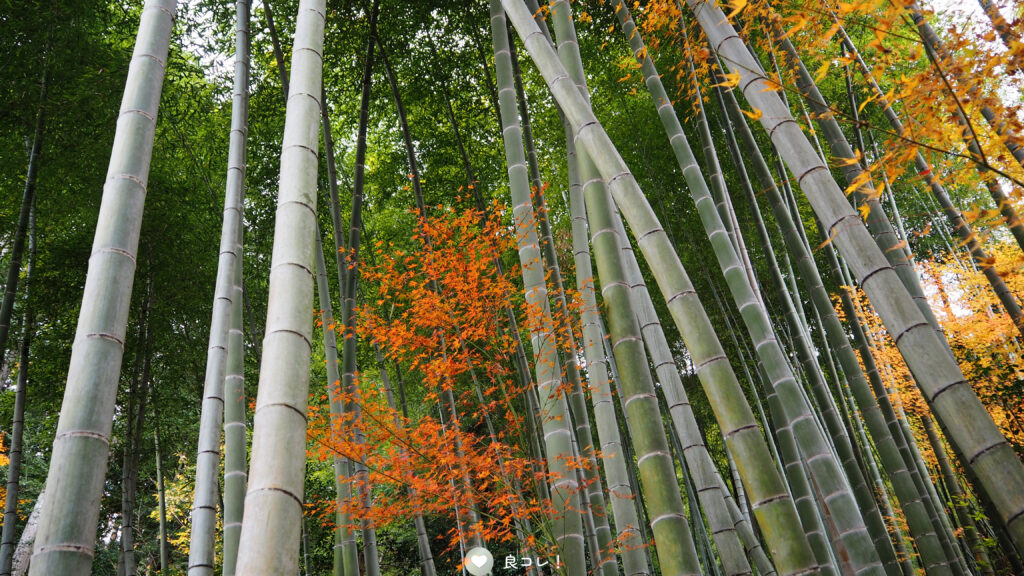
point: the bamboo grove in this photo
(675, 287)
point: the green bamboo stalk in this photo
(772, 506)
(70, 515)
(676, 551)
(553, 411)
(597, 507)
(272, 524)
(897, 256)
(812, 372)
(235, 443)
(784, 449)
(20, 232)
(349, 287)
(16, 451)
(206, 498)
(685, 426)
(877, 221)
(340, 465)
(620, 492)
(162, 547)
(935, 369)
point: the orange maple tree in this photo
(440, 312)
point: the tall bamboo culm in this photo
(70, 515)
(772, 505)
(620, 493)
(935, 369)
(272, 524)
(205, 503)
(596, 516)
(553, 409)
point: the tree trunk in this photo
(15, 454)
(956, 494)
(161, 500)
(275, 41)
(133, 453)
(271, 525)
(601, 541)
(67, 529)
(858, 534)
(27, 201)
(341, 465)
(675, 546)
(615, 465)
(909, 497)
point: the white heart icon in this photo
(479, 560)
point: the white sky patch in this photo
(199, 31)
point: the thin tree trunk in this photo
(161, 501)
(349, 287)
(271, 526)
(70, 517)
(620, 493)
(471, 518)
(341, 465)
(345, 550)
(133, 447)
(275, 41)
(15, 453)
(772, 505)
(422, 538)
(676, 551)
(27, 201)
(910, 499)
(235, 425)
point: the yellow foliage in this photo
(981, 335)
